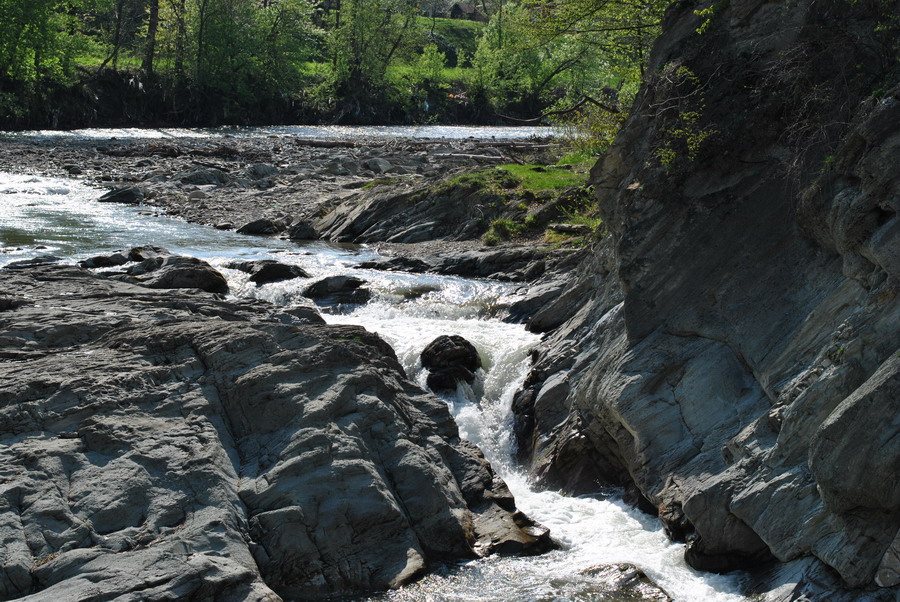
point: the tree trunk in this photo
(150, 48)
(180, 39)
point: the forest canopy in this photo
(341, 61)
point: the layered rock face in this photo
(175, 445)
(731, 350)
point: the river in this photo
(57, 216)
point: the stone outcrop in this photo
(410, 212)
(508, 263)
(730, 350)
(174, 445)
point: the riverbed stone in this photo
(105, 261)
(24, 264)
(302, 230)
(174, 445)
(450, 360)
(129, 195)
(338, 290)
(204, 176)
(263, 226)
(264, 271)
(378, 165)
(157, 268)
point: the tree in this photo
(548, 53)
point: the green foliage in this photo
(683, 134)
(38, 39)
(547, 55)
(708, 14)
(456, 38)
(538, 178)
(357, 60)
(501, 230)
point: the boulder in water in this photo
(303, 230)
(130, 195)
(105, 261)
(449, 361)
(262, 226)
(264, 271)
(157, 268)
(338, 290)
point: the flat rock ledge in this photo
(174, 445)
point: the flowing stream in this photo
(55, 216)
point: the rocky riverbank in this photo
(231, 182)
(411, 198)
(160, 443)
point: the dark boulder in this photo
(146, 252)
(105, 261)
(303, 230)
(261, 170)
(262, 226)
(205, 177)
(130, 195)
(449, 361)
(159, 270)
(264, 271)
(338, 290)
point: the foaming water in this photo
(453, 132)
(59, 216)
(591, 531)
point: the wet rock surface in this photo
(264, 271)
(450, 360)
(731, 348)
(338, 290)
(155, 267)
(172, 444)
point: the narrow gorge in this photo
(696, 399)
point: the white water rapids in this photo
(41, 216)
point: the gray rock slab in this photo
(174, 445)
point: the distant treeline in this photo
(70, 63)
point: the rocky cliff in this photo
(730, 351)
(161, 445)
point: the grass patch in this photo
(538, 178)
(380, 182)
(533, 178)
(502, 229)
(580, 160)
(487, 179)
